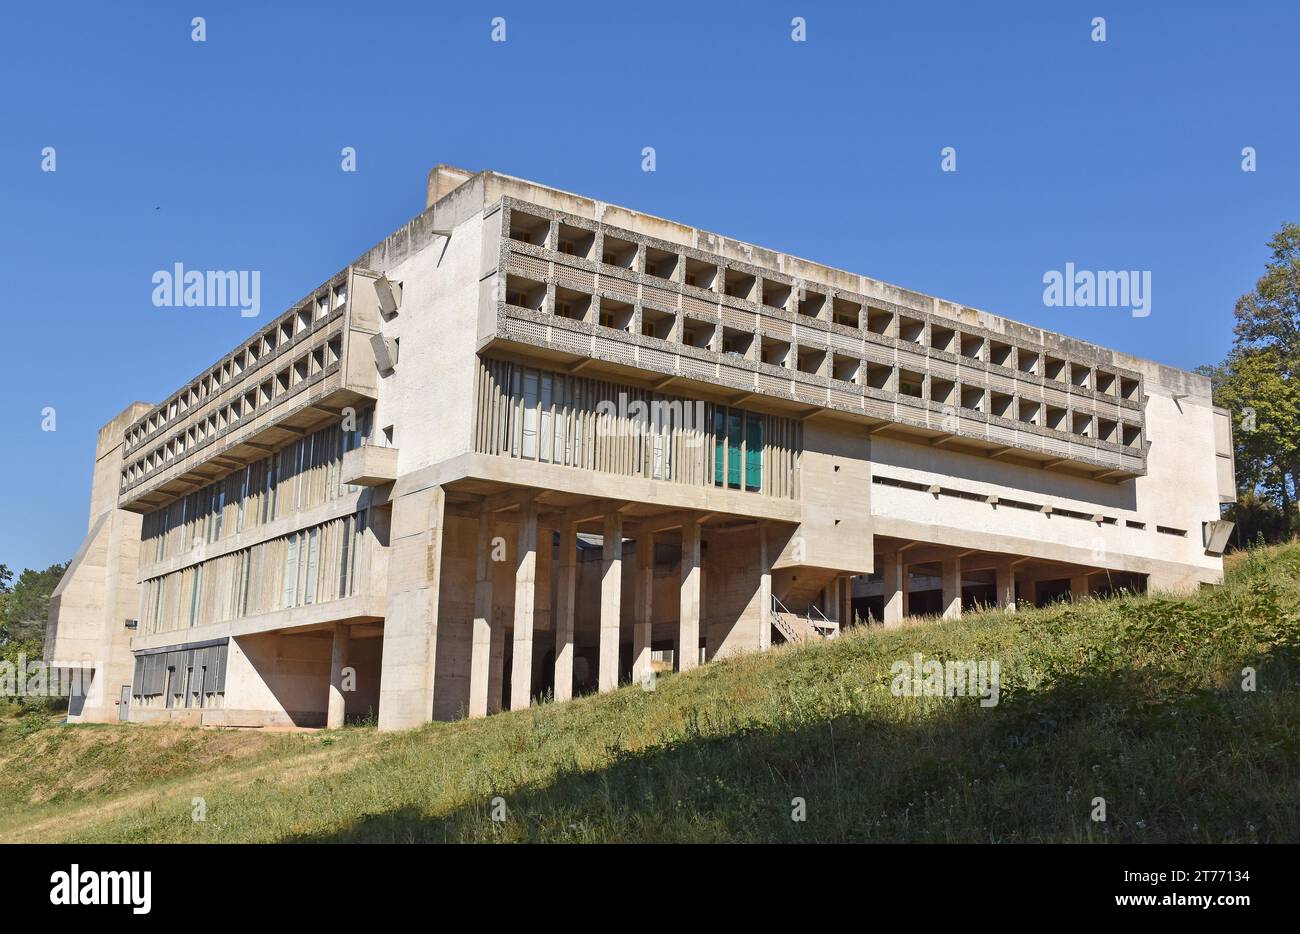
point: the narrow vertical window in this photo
(268, 497)
(529, 441)
(248, 563)
(357, 544)
(291, 571)
(734, 441)
(309, 585)
(753, 452)
(561, 427)
(346, 553)
(658, 416)
(513, 410)
(544, 399)
(194, 595)
(162, 532)
(220, 511)
(719, 445)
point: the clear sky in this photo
(225, 154)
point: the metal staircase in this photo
(795, 628)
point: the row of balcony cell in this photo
(819, 361)
(256, 400)
(826, 305)
(266, 342)
(1056, 425)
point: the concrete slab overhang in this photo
(243, 443)
(361, 608)
(658, 364)
(469, 496)
(370, 465)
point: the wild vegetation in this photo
(1145, 702)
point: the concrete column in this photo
(1028, 588)
(564, 607)
(645, 581)
(521, 667)
(895, 589)
(1078, 586)
(952, 588)
(1004, 585)
(338, 661)
(411, 624)
(833, 600)
(764, 591)
(497, 666)
(688, 632)
(611, 600)
(481, 636)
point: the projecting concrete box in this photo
(370, 465)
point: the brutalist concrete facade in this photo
(534, 444)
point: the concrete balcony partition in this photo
(300, 371)
(528, 328)
(721, 327)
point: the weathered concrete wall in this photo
(835, 491)
(281, 673)
(427, 394)
(425, 564)
(1179, 491)
(99, 592)
(732, 605)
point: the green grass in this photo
(1137, 700)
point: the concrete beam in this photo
(583, 512)
(509, 499)
(662, 522)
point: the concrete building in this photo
(532, 443)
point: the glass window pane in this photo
(733, 449)
(719, 450)
(290, 571)
(529, 441)
(345, 555)
(754, 452)
(312, 555)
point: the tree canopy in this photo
(1257, 384)
(25, 605)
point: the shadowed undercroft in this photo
(1133, 707)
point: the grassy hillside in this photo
(1137, 700)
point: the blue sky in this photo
(226, 155)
